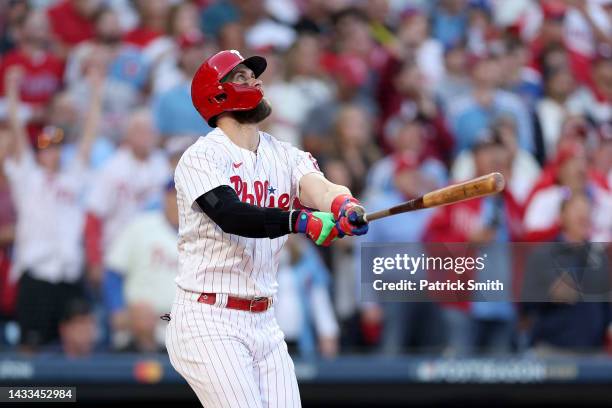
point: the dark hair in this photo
(74, 308)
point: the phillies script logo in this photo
(263, 194)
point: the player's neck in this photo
(245, 136)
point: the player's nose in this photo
(256, 82)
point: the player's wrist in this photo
(299, 221)
(319, 226)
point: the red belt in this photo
(256, 305)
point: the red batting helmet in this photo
(211, 97)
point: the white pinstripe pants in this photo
(231, 358)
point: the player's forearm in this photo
(19, 142)
(318, 192)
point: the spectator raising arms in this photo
(49, 259)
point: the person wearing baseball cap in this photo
(48, 244)
(240, 192)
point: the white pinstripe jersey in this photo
(209, 259)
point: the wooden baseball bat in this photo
(481, 186)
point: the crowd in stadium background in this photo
(394, 98)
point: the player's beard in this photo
(255, 115)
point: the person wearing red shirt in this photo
(477, 326)
(43, 71)
(72, 20)
(153, 20)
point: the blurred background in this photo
(394, 98)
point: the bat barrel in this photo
(481, 186)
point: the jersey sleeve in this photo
(201, 170)
(305, 163)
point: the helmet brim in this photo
(256, 64)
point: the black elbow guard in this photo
(224, 207)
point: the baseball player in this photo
(240, 192)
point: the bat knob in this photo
(357, 216)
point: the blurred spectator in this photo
(126, 63)
(217, 15)
(450, 19)
(525, 169)
(588, 27)
(301, 89)
(456, 80)
(413, 326)
(315, 16)
(354, 145)
(403, 93)
(405, 136)
(519, 77)
(561, 324)
(182, 24)
(48, 249)
(141, 265)
(470, 114)
(129, 181)
(12, 14)
(350, 75)
(77, 329)
(172, 108)
(119, 99)
(65, 115)
(304, 309)
(72, 21)
(261, 31)
(594, 101)
(42, 70)
(353, 37)
(8, 219)
(566, 175)
(149, 34)
(551, 111)
(601, 163)
(415, 42)
(485, 326)
(480, 33)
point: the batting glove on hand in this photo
(319, 226)
(349, 213)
